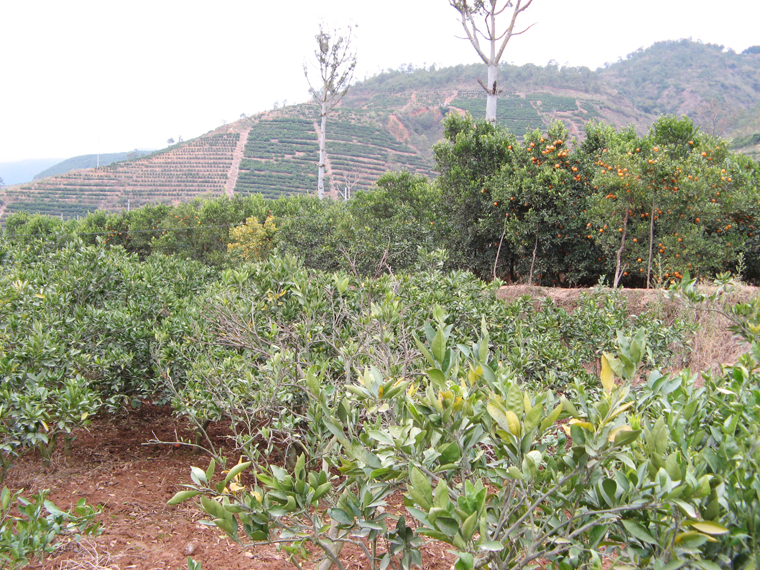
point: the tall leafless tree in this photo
(479, 23)
(336, 62)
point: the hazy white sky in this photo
(85, 76)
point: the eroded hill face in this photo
(391, 121)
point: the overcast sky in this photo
(81, 76)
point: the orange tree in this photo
(675, 200)
(620, 186)
(541, 199)
(468, 158)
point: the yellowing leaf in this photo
(616, 431)
(607, 376)
(580, 423)
(234, 487)
(709, 527)
(513, 422)
(44, 424)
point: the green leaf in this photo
(229, 526)
(491, 546)
(341, 516)
(382, 437)
(515, 473)
(213, 508)
(687, 509)
(465, 561)
(639, 532)
(437, 376)
(450, 453)
(469, 526)
(570, 408)
(425, 352)
(211, 469)
(551, 418)
(533, 416)
(438, 347)
(447, 526)
(198, 475)
(182, 496)
(421, 487)
(441, 495)
(435, 534)
(514, 401)
(321, 491)
(236, 470)
(626, 437)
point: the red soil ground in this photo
(110, 465)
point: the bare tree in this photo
(336, 64)
(471, 13)
(717, 117)
(350, 180)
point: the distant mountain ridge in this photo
(89, 161)
(390, 122)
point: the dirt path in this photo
(237, 156)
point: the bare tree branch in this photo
(470, 12)
(336, 62)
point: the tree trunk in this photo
(322, 154)
(492, 93)
(533, 261)
(651, 244)
(498, 251)
(618, 263)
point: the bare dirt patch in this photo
(109, 465)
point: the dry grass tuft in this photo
(90, 558)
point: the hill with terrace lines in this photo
(390, 122)
(273, 154)
(197, 167)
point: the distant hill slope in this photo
(89, 161)
(21, 171)
(199, 166)
(390, 122)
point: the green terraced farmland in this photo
(515, 113)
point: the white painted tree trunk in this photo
(492, 92)
(470, 11)
(322, 154)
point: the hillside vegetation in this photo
(351, 375)
(89, 161)
(391, 121)
(633, 210)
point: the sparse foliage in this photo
(479, 21)
(336, 63)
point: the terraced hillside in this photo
(199, 166)
(281, 154)
(391, 121)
